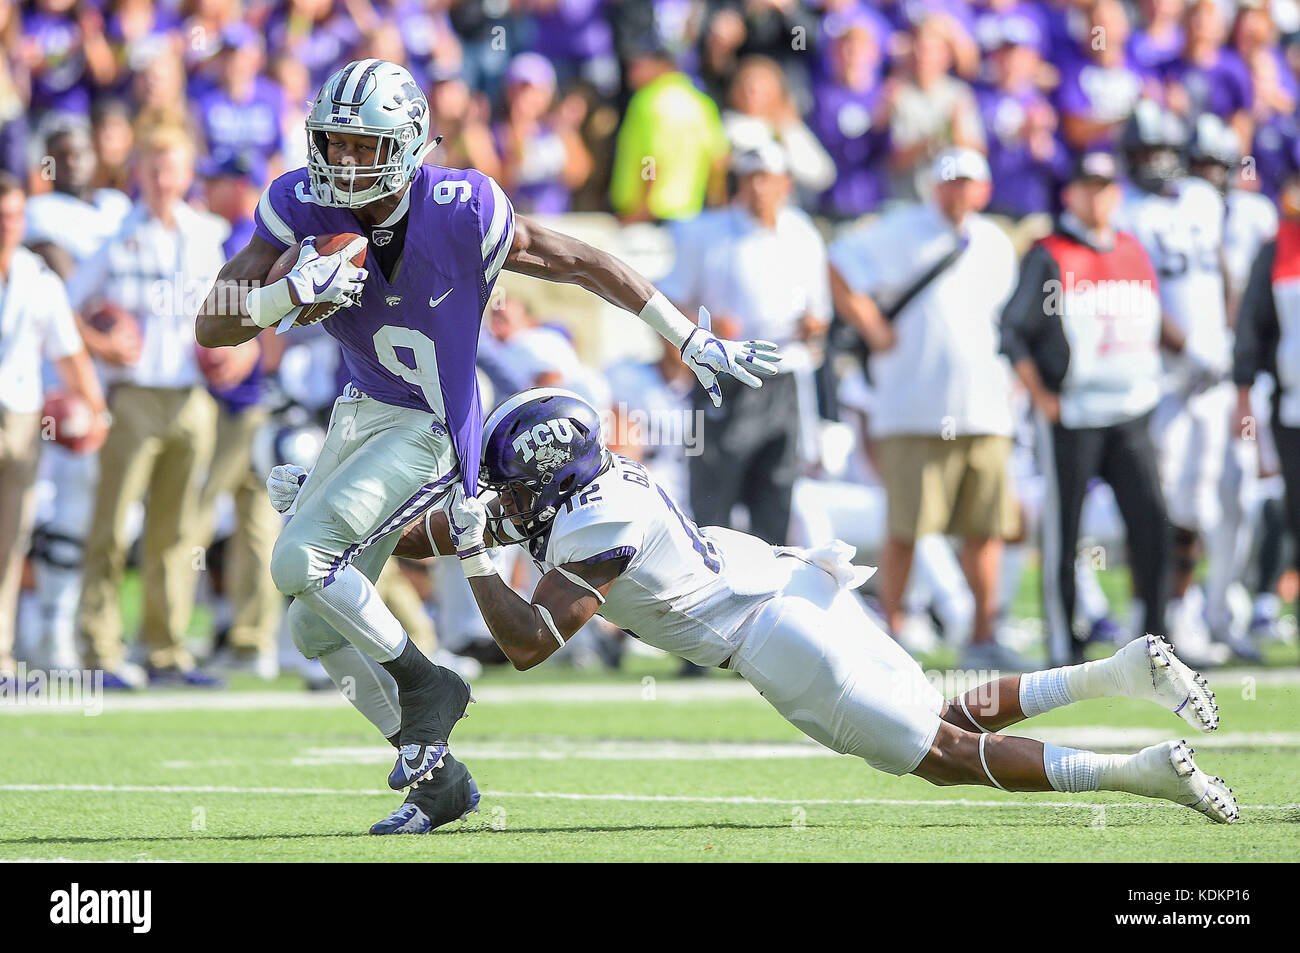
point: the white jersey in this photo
(686, 590)
(80, 227)
(1183, 234)
(1252, 220)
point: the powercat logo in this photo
(76, 906)
(547, 442)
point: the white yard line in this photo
(82, 860)
(568, 748)
(634, 798)
(662, 690)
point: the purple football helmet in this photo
(546, 441)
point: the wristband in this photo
(670, 323)
(267, 304)
(479, 564)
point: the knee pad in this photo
(56, 549)
(311, 634)
(291, 566)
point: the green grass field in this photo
(578, 766)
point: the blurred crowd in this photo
(844, 177)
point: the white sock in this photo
(351, 604)
(1057, 687)
(366, 685)
(1072, 770)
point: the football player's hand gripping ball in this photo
(332, 279)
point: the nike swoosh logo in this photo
(434, 304)
(321, 286)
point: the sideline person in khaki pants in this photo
(35, 322)
(164, 420)
(257, 604)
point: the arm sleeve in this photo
(1257, 327)
(1026, 313)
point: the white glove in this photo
(330, 278)
(283, 484)
(466, 522)
(709, 356)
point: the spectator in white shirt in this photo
(35, 322)
(67, 226)
(156, 268)
(760, 266)
(942, 426)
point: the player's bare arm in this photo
(540, 252)
(224, 321)
(529, 632)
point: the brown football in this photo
(69, 421)
(325, 245)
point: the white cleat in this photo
(1147, 668)
(1167, 771)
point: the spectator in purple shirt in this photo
(135, 30)
(1100, 86)
(1158, 40)
(1277, 134)
(241, 114)
(1027, 159)
(64, 50)
(1254, 33)
(575, 36)
(542, 156)
(850, 119)
(1209, 77)
(316, 33)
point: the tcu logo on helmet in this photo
(541, 440)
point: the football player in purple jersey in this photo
(407, 427)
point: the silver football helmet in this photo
(368, 98)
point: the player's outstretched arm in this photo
(540, 252)
(530, 632)
(527, 632)
(223, 320)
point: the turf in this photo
(642, 779)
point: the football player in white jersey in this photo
(1214, 154)
(610, 540)
(1179, 220)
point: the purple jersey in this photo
(250, 126)
(1222, 88)
(413, 340)
(1023, 182)
(842, 120)
(1102, 94)
(60, 81)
